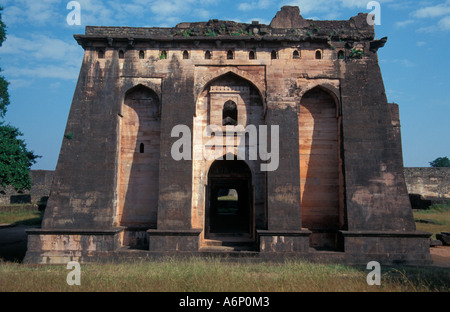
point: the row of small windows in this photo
(230, 55)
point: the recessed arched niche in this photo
(138, 170)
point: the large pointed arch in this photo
(138, 158)
(207, 81)
(321, 167)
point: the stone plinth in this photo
(170, 241)
(63, 246)
(388, 247)
(283, 241)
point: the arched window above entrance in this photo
(229, 114)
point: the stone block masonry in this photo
(430, 183)
(40, 189)
(339, 185)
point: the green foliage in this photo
(163, 55)
(241, 32)
(186, 33)
(440, 162)
(356, 54)
(69, 136)
(2, 29)
(4, 96)
(15, 159)
(210, 33)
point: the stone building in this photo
(312, 89)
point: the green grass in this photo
(227, 198)
(23, 217)
(218, 275)
(438, 214)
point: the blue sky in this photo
(41, 60)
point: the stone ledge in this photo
(303, 232)
(193, 232)
(415, 234)
(74, 231)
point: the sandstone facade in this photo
(339, 183)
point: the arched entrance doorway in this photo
(229, 204)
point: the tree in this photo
(4, 96)
(440, 162)
(15, 159)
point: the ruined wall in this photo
(431, 183)
(40, 189)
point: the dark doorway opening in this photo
(230, 200)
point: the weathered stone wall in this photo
(430, 183)
(268, 72)
(41, 185)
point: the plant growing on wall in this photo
(186, 33)
(356, 54)
(210, 33)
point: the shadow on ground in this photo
(13, 242)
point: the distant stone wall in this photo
(430, 183)
(40, 190)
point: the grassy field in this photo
(434, 220)
(25, 217)
(219, 275)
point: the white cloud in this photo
(404, 23)
(34, 12)
(45, 71)
(440, 12)
(202, 14)
(404, 62)
(332, 8)
(444, 23)
(17, 84)
(433, 11)
(40, 47)
(38, 56)
(255, 5)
